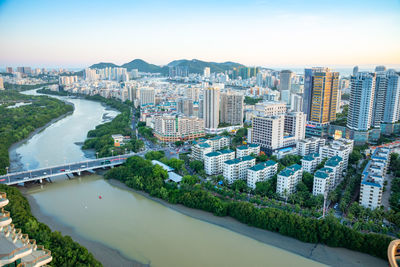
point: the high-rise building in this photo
(380, 68)
(192, 92)
(9, 70)
(285, 77)
(355, 70)
(90, 74)
(211, 107)
(232, 108)
(295, 125)
(207, 72)
(288, 180)
(391, 112)
(379, 98)
(185, 106)
(268, 131)
(296, 103)
(321, 88)
(361, 101)
(147, 96)
(201, 107)
(1, 83)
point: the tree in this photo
(179, 143)
(190, 179)
(154, 155)
(354, 157)
(239, 185)
(196, 165)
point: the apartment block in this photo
(213, 162)
(336, 164)
(236, 169)
(261, 172)
(323, 181)
(247, 150)
(340, 147)
(203, 146)
(309, 145)
(310, 162)
(373, 177)
(288, 180)
(172, 128)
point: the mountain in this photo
(197, 66)
(103, 65)
(142, 66)
(194, 66)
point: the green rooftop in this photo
(320, 174)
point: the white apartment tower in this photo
(147, 96)
(211, 108)
(361, 101)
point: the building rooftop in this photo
(333, 162)
(220, 152)
(288, 171)
(238, 160)
(320, 174)
(204, 145)
(262, 165)
(165, 167)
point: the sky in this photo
(270, 33)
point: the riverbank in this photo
(317, 252)
(106, 255)
(15, 162)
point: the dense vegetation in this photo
(140, 174)
(100, 138)
(24, 87)
(64, 250)
(17, 123)
(251, 100)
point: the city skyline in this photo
(262, 33)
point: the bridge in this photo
(63, 169)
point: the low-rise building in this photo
(373, 177)
(310, 162)
(236, 169)
(247, 150)
(172, 128)
(261, 172)
(213, 162)
(336, 165)
(288, 180)
(203, 146)
(323, 181)
(309, 145)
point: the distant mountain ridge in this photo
(194, 66)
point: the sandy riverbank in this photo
(106, 255)
(321, 253)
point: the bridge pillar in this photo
(79, 173)
(41, 180)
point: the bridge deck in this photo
(76, 167)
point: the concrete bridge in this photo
(63, 169)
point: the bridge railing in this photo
(67, 164)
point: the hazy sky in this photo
(260, 32)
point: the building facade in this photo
(288, 180)
(213, 162)
(172, 128)
(261, 172)
(236, 169)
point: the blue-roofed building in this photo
(288, 180)
(323, 181)
(247, 150)
(373, 177)
(310, 162)
(261, 172)
(213, 161)
(203, 146)
(236, 169)
(336, 164)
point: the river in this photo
(139, 228)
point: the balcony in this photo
(39, 257)
(13, 244)
(5, 218)
(3, 199)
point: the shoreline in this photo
(104, 254)
(15, 164)
(332, 256)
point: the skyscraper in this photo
(285, 77)
(392, 106)
(320, 95)
(380, 68)
(211, 108)
(232, 108)
(361, 101)
(355, 70)
(147, 96)
(185, 106)
(206, 72)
